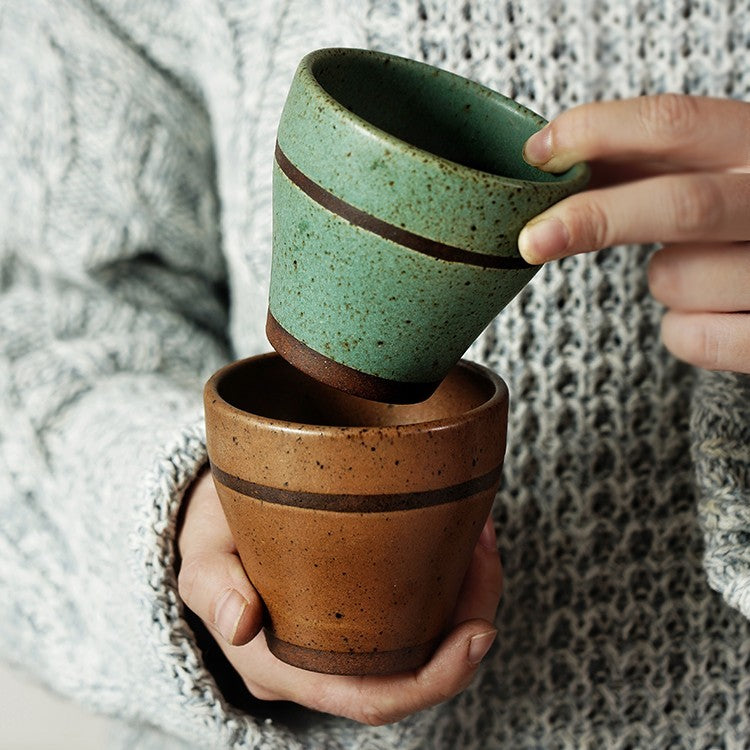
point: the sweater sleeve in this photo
(721, 450)
(112, 314)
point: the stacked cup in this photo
(357, 468)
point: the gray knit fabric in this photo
(136, 139)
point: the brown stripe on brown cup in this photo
(358, 503)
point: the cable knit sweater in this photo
(136, 140)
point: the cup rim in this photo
(212, 396)
(578, 172)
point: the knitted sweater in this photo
(136, 140)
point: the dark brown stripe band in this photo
(351, 663)
(344, 503)
(339, 376)
(391, 232)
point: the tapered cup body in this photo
(399, 191)
(355, 520)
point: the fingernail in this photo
(229, 610)
(542, 240)
(538, 149)
(488, 538)
(479, 645)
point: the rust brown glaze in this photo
(340, 376)
(358, 589)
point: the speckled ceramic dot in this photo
(355, 520)
(399, 193)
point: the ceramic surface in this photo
(399, 193)
(355, 520)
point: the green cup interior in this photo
(438, 112)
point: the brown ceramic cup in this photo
(354, 520)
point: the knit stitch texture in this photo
(137, 144)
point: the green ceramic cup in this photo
(399, 193)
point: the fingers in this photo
(212, 581)
(384, 699)
(483, 583)
(714, 341)
(667, 208)
(669, 169)
(449, 672)
(708, 289)
(372, 700)
(691, 132)
(702, 278)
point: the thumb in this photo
(215, 587)
(212, 581)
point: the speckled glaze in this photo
(355, 520)
(399, 193)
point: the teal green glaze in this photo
(419, 180)
(422, 150)
(369, 303)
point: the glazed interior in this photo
(433, 110)
(270, 387)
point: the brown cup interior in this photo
(269, 387)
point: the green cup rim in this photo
(578, 173)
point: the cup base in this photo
(351, 663)
(342, 377)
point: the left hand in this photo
(212, 582)
(671, 169)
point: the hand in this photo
(671, 169)
(212, 582)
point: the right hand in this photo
(212, 582)
(670, 169)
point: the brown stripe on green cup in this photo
(399, 193)
(355, 520)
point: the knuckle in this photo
(440, 695)
(668, 118)
(697, 341)
(375, 715)
(328, 697)
(709, 347)
(261, 692)
(662, 280)
(582, 123)
(588, 225)
(697, 205)
(188, 577)
(439, 691)
(725, 343)
(585, 119)
(433, 691)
